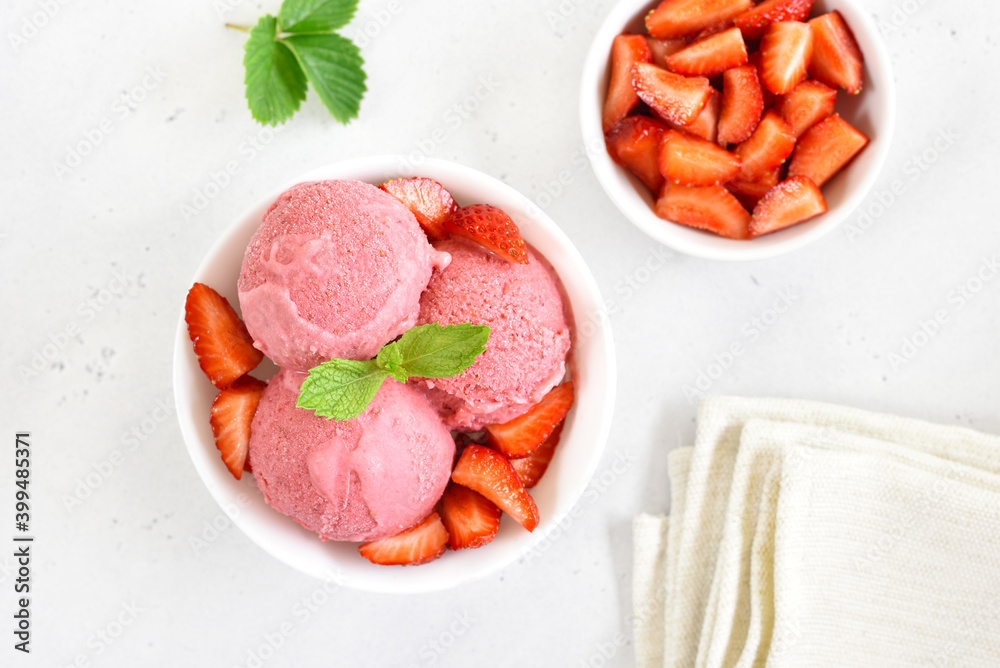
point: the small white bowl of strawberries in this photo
(498, 489)
(731, 130)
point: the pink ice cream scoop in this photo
(529, 334)
(361, 479)
(335, 270)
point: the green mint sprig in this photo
(342, 389)
(298, 47)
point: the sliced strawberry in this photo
(742, 105)
(836, 60)
(767, 148)
(692, 161)
(711, 208)
(785, 52)
(486, 471)
(635, 144)
(417, 545)
(471, 519)
(232, 413)
(790, 202)
(662, 48)
(519, 437)
(530, 469)
(751, 192)
(491, 228)
(826, 148)
(706, 123)
(769, 97)
(682, 18)
(713, 29)
(626, 51)
(222, 344)
(712, 55)
(754, 22)
(673, 97)
(427, 200)
(807, 104)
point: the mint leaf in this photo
(340, 389)
(302, 16)
(433, 351)
(333, 65)
(390, 358)
(275, 82)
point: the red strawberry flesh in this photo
(418, 545)
(232, 414)
(522, 435)
(486, 471)
(491, 228)
(222, 344)
(471, 519)
(427, 200)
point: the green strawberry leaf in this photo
(275, 82)
(333, 65)
(315, 16)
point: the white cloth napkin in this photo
(714, 577)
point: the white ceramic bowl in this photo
(583, 439)
(873, 112)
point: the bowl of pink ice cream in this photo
(320, 486)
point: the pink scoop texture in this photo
(362, 479)
(335, 270)
(529, 334)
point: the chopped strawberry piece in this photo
(635, 144)
(742, 105)
(790, 202)
(519, 437)
(712, 55)
(751, 192)
(713, 29)
(486, 471)
(662, 48)
(754, 22)
(682, 18)
(691, 161)
(767, 148)
(826, 148)
(417, 545)
(427, 200)
(769, 97)
(222, 344)
(626, 51)
(232, 413)
(837, 60)
(711, 208)
(785, 52)
(472, 520)
(491, 228)
(706, 123)
(673, 97)
(807, 104)
(530, 469)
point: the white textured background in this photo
(67, 243)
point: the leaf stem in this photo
(236, 27)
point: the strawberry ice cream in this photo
(335, 270)
(362, 479)
(529, 334)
